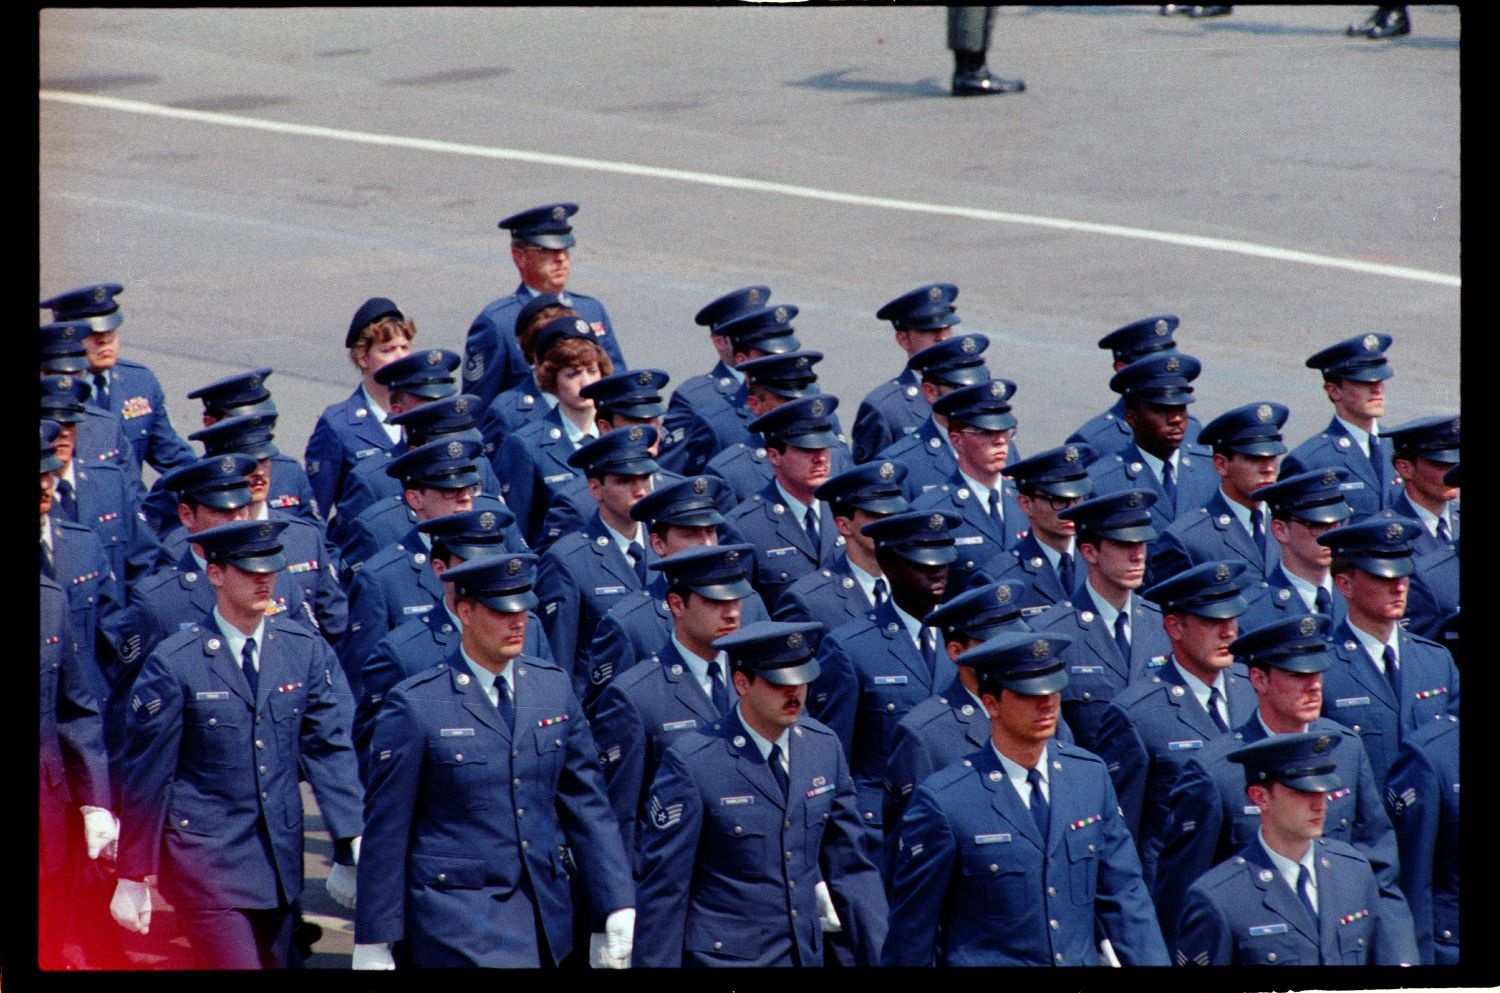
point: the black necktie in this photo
(810, 523)
(1443, 534)
(65, 497)
(1039, 810)
(774, 761)
(503, 702)
(1065, 571)
(1258, 530)
(719, 695)
(1324, 601)
(880, 591)
(48, 566)
(1121, 620)
(1304, 884)
(101, 391)
(929, 649)
(1213, 709)
(247, 665)
(1377, 460)
(1392, 672)
(995, 514)
(638, 560)
(1169, 484)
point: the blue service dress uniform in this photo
(1210, 534)
(830, 596)
(890, 412)
(511, 410)
(368, 483)
(1358, 696)
(347, 432)
(636, 718)
(784, 552)
(532, 465)
(136, 397)
(492, 357)
(385, 524)
(1242, 912)
(1026, 561)
(976, 885)
(573, 504)
(730, 865)
(706, 415)
(1107, 433)
(415, 646)
(1365, 490)
(746, 470)
(1197, 482)
(109, 506)
(933, 735)
(1432, 598)
(1097, 671)
(634, 629)
(578, 580)
(469, 821)
(291, 492)
(1212, 819)
(101, 438)
(209, 772)
(73, 771)
(394, 585)
(1276, 599)
(103, 639)
(1422, 796)
(977, 538)
(1148, 732)
(872, 675)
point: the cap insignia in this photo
(460, 406)
(968, 346)
(434, 357)
(514, 567)
(934, 293)
(780, 315)
(1221, 571)
(1002, 593)
(69, 333)
(454, 449)
(700, 485)
(99, 294)
(1070, 454)
(265, 530)
(1173, 364)
(1330, 477)
(794, 640)
(226, 464)
(487, 521)
(886, 470)
(997, 388)
(802, 362)
(935, 522)
(581, 326)
(644, 379)
(1161, 327)
(1263, 413)
(753, 296)
(1308, 626)
(816, 407)
(1039, 648)
(255, 382)
(1455, 425)
(1371, 343)
(730, 558)
(1134, 500)
(558, 213)
(1323, 743)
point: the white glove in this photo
(611, 950)
(99, 829)
(341, 879)
(131, 906)
(373, 958)
(828, 918)
(1107, 953)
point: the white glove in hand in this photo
(341, 879)
(828, 918)
(99, 829)
(373, 958)
(611, 950)
(131, 906)
(1107, 954)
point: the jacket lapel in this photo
(749, 763)
(1277, 896)
(1004, 798)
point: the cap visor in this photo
(692, 518)
(777, 344)
(725, 591)
(936, 555)
(1042, 684)
(103, 322)
(1324, 783)
(1323, 513)
(1268, 446)
(65, 363)
(550, 240)
(1386, 567)
(813, 439)
(511, 603)
(274, 562)
(1304, 664)
(792, 675)
(1220, 609)
(893, 504)
(1140, 532)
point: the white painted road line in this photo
(1206, 243)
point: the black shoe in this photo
(980, 82)
(1386, 22)
(305, 934)
(1195, 10)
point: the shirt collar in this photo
(1360, 435)
(487, 679)
(1289, 869)
(912, 624)
(622, 542)
(980, 490)
(761, 744)
(797, 507)
(1156, 463)
(1376, 648)
(865, 580)
(1199, 688)
(235, 638)
(1016, 772)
